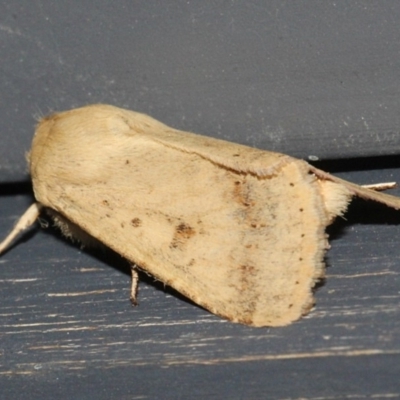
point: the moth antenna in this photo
(381, 186)
(367, 192)
(26, 220)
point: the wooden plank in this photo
(308, 78)
(67, 328)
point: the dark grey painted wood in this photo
(309, 78)
(67, 329)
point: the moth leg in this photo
(134, 285)
(28, 219)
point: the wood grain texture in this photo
(67, 328)
(309, 79)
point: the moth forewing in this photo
(239, 231)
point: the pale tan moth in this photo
(239, 231)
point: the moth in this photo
(239, 231)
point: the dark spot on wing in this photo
(183, 232)
(136, 222)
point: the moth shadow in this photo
(121, 264)
(359, 212)
(17, 188)
(334, 166)
(363, 212)
(114, 260)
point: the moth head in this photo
(75, 148)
